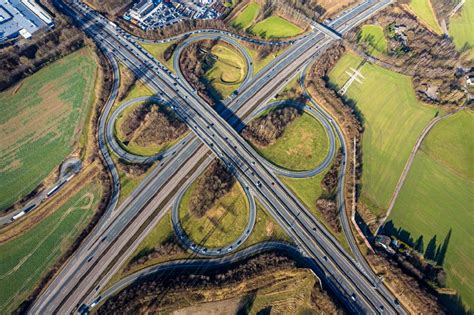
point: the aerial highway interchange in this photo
(104, 250)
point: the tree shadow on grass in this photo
(434, 251)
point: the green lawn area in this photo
(157, 50)
(303, 145)
(393, 119)
(438, 196)
(42, 121)
(461, 26)
(27, 258)
(222, 224)
(228, 71)
(132, 146)
(265, 229)
(308, 190)
(375, 37)
(424, 10)
(246, 18)
(276, 27)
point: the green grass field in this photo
(424, 10)
(303, 145)
(228, 71)
(438, 195)
(221, 224)
(276, 27)
(375, 37)
(42, 121)
(393, 119)
(461, 26)
(246, 18)
(158, 50)
(27, 258)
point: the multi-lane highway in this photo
(338, 269)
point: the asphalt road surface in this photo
(339, 270)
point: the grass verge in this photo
(276, 27)
(246, 18)
(374, 36)
(157, 50)
(424, 10)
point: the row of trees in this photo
(264, 130)
(326, 204)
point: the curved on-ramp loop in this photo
(317, 116)
(200, 249)
(212, 36)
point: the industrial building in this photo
(22, 18)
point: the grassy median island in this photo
(374, 37)
(214, 68)
(214, 211)
(228, 71)
(294, 143)
(438, 196)
(148, 128)
(393, 120)
(28, 257)
(424, 10)
(163, 52)
(318, 193)
(42, 120)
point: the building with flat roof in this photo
(22, 18)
